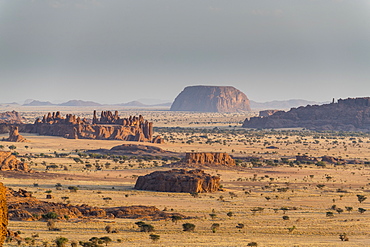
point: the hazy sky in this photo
(114, 51)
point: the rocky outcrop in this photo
(14, 135)
(108, 127)
(332, 160)
(8, 119)
(179, 180)
(22, 206)
(3, 214)
(306, 159)
(206, 159)
(9, 162)
(12, 117)
(345, 115)
(211, 99)
(135, 150)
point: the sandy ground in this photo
(245, 188)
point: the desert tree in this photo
(106, 240)
(361, 210)
(361, 198)
(154, 237)
(188, 227)
(213, 216)
(349, 209)
(229, 214)
(214, 227)
(175, 218)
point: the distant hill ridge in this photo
(91, 103)
(352, 114)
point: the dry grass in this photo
(307, 203)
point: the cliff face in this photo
(3, 214)
(211, 99)
(178, 180)
(346, 115)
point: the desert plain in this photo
(279, 202)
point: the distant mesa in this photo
(203, 159)
(211, 99)
(179, 180)
(352, 114)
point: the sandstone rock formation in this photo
(108, 127)
(12, 117)
(178, 180)
(22, 206)
(211, 99)
(9, 162)
(345, 115)
(3, 214)
(8, 119)
(14, 135)
(206, 159)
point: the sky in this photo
(115, 51)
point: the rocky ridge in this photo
(211, 99)
(352, 114)
(179, 180)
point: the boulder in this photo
(211, 99)
(179, 180)
(9, 162)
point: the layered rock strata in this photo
(211, 99)
(179, 180)
(352, 114)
